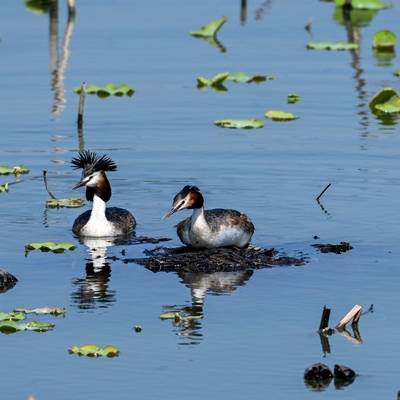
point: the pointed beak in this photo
(79, 184)
(174, 209)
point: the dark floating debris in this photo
(342, 247)
(213, 260)
(318, 376)
(7, 281)
(344, 376)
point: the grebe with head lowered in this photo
(99, 221)
(210, 228)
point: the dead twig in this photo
(326, 312)
(45, 185)
(81, 105)
(320, 195)
(353, 315)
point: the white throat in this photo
(198, 218)
(98, 225)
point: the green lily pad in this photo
(169, 315)
(215, 81)
(50, 246)
(211, 29)
(15, 326)
(387, 96)
(92, 350)
(12, 316)
(276, 115)
(70, 202)
(240, 123)
(110, 89)
(17, 170)
(39, 7)
(41, 310)
(363, 4)
(397, 72)
(4, 188)
(293, 98)
(358, 18)
(242, 77)
(332, 46)
(384, 41)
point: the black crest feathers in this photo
(91, 162)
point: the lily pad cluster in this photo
(50, 246)
(332, 46)
(217, 81)
(70, 202)
(386, 101)
(41, 311)
(110, 89)
(15, 321)
(17, 170)
(92, 350)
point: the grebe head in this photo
(93, 174)
(189, 197)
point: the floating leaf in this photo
(363, 4)
(280, 115)
(397, 72)
(242, 77)
(17, 170)
(15, 326)
(385, 101)
(332, 46)
(384, 41)
(215, 82)
(70, 202)
(239, 123)
(169, 315)
(41, 310)
(4, 188)
(38, 6)
(293, 98)
(211, 29)
(92, 350)
(12, 316)
(50, 246)
(358, 18)
(110, 89)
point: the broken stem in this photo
(354, 314)
(45, 185)
(81, 105)
(326, 188)
(326, 312)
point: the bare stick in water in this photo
(326, 188)
(45, 185)
(81, 105)
(354, 314)
(326, 312)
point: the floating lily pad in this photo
(215, 82)
(92, 350)
(240, 123)
(71, 202)
(4, 188)
(280, 115)
(41, 311)
(363, 4)
(332, 46)
(242, 77)
(397, 72)
(386, 101)
(15, 326)
(384, 41)
(50, 246)
(38, 6)
(358, 17)
(170, 315)
(293, 98)
(17, 170)
(211, 29)
(12, 316)
(110, 89)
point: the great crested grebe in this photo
(99, 221)
(210, 228)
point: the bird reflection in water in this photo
(92, 291)
(189, 325)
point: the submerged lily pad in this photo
(386, 101)
(17, 170)
(211, 29)
(92, 350)
(110, 89)
(41, 311)
(332, 46)
(240, 123)
(12, 316)
(50, 246)
(15, 326)
(242, 77)
(4, 188)
(276, 115)
(363, 4)
(71, 202)
(293, 98)
(384, 41)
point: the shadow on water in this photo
(189, 327)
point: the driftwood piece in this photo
(353, 315)
(323, 325)
(188, 259)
